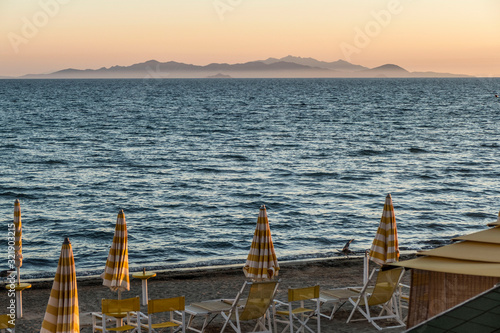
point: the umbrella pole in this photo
(366, 268)
(19, 304)
(119, 321)
(19, 296)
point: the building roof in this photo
(479, 314)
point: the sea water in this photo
(191, 161)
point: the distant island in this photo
(219, 76)
(286, 67)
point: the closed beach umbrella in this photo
(18, 247)
(62, 315)
(18, 258)
(385, 248)
(115, 275)
(261, 263)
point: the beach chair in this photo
(300, 314)
(259, 300)
(5, 324)
(174, 306)
(403, 298)
(382, 296)
(118, 309)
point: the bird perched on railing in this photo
(345, 250)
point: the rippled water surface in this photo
(191, 161)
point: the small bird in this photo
(345, 250)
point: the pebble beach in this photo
(205, 284)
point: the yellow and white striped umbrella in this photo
(116, 273)
(18, 246)
(62, 314)
(385, 247)
(261, 263)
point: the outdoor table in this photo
(18, 287)
(206, 309)
(144, 276)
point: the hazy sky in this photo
(458, 36)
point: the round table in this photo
(144, 276)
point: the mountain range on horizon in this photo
(286, 67)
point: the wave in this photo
(490, 145)
(22, 195)
(479, 215)
(369, 152)
(320, 174)
(234, 157)
(355, 178)
(49, 162)
(415, 150)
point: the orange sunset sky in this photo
(455, 36)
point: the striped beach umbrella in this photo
(18, 246)
(261, 263)
(116, 274)
(385, 248)
(62, 314)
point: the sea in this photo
(191, 161)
